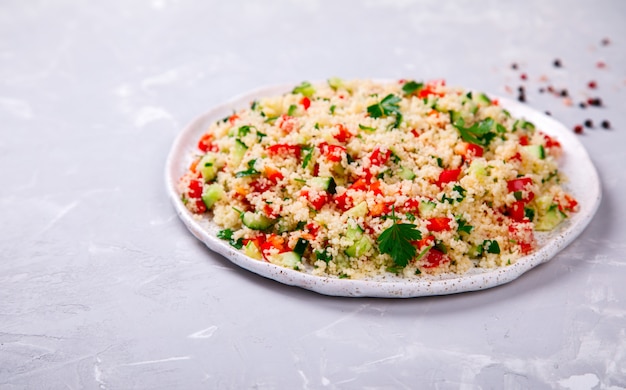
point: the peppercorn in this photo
(592, 84)
(588, 123)
(557, 63)
(548, 113)
(521, 98)
(605, 41)
(578, 129)
(605, 124)
(542, 90)
(597, 102)
(523, 76)
(564, 93)
(582, 105)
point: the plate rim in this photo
(385, 286)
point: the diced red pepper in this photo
(379, 158)
(438, 224)
(287, 123)
(273, 241)
(448, 176)
(343, 135)
(273, 175)
(343, 201)
(206, 145)
(380, 208)
(415, 133)
(551, 142)
(306, 102)
(313, 228)
(516, 156)
(284, 150)
(360, 184)
(435, 258)
(425, 242)
(523, 140)
(318, 199)
(375, 187)
(261, 185)
(269, 211)
(516, 211)
(333, 153)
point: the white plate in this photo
(583, 183)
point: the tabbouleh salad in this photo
(357, 178)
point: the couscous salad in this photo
(358, 178)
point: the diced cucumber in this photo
(454, 116)
(251, 250)
(482, 98)
(426, 207)
(360, 247)
(335, 83)
(478, 168)
(212, 193)
(543, 203)
(324, 184)
(550, 220)
(208, 166)
(354, 232)
(406, 173)
(237, 152)
(536, 151)
(288, 259)
(360, 210)
(476, 251)
(256, 221)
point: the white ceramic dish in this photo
(575, 163)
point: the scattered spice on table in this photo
(578, 129)
(588, 123)
(605, 124)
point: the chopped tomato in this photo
(233, 118)
(415, 133)
(380, 208)
(429, 89)
(438, 224)
(567, 203)
(206, 145)
(469, 150)
(516, 156)
(195, 188)
(269, 211)
(273, 241)
(284, 150)
(434, 258)
(522, 233)
(343, 135)
(551, 142)
(516, 211)
(313, 228)
(193, 167)
(375, 187)
(448, 176)
(261, 185)
(287, 123)
(360, 184)
(333, 153)
(272, 174)
(379, 158)
(411, 205)
(425, 242)
(522, 184)
(316, 199)
(343, 201)
(306, 102)
(523, 140)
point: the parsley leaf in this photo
(248, 172)
(479, 133)
(396, 241)
(227, 235)
(411, 87)
(308, 150)
(386, 107)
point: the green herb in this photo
(439, 161)
(386, 107)
(260, 135)
(244, 130)
(306, 89)
(491, 246)
(417, 271)
(396, 241)
(461, 191)
(411, 87)
(332, 109)
(529, 213)
(411, 217)
(254, 105)
(479, 133)
(367, 128)
(440, 247)
(248, 172)
(270, 119)
(227, 235)
(323, 255)
(308, 154)
(463, 226)
(292, 109)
